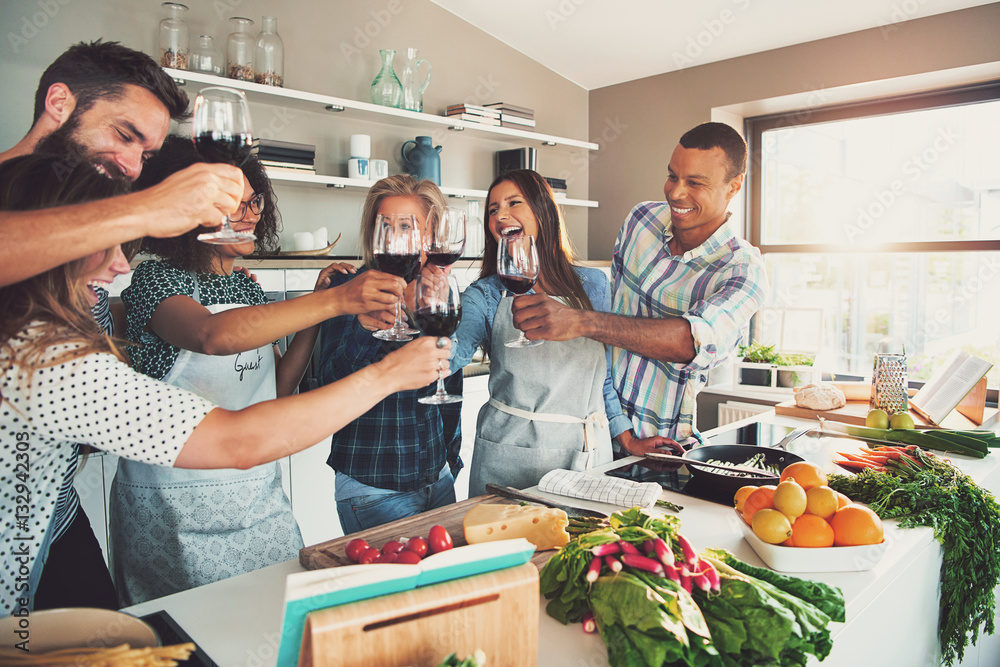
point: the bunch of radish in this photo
(408, 551)
(654, 556)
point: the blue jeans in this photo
(360, 506)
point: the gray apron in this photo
(172, 528)
(546, 410)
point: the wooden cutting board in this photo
(854, 413)
(331, 552)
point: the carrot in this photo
(864, 458)
(859, 465)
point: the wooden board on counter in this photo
(854, 413)
(331, 552)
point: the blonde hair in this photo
(57, 299)
(403, 185)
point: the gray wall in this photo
(638, 123)
(331, 48)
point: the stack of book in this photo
(514, 116)
(472, 113)
(558, 185)
(287, 156)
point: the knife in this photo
(514, 494)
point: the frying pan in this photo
(736, 454)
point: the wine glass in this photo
(397, 251)
(517, 268)
(438, 312)
(220, 128)
(445, 238)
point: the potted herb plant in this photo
(790, 378)
(757, 353)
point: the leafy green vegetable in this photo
(650, 620)
(477, 659)
(828, 599)
(966, 521)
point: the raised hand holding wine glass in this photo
(397, 251)
(445, 237)
(517, 268)
(437, 312)
(221, 131)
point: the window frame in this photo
(754, 128)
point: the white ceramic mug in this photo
(358, 168)
(378, 169)
(361, 146)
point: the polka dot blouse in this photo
(154, 281)
(92, 400)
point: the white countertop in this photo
(237, 621)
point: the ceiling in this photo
(597, 43)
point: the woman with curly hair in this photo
(63, 382)
(201, 325)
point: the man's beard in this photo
(63, 142)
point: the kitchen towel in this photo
(600, 488)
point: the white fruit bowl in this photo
(818, 559)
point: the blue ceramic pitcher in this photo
(422, 160)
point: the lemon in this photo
(877, 419)
(771, 526)
(822, 501)
(741, 496)
(901, 420)
(790, 499)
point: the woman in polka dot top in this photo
(63, 382)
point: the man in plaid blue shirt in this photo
(400, 457)
(684, 288)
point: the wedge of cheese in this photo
(545, 527)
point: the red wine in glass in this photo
(436, 323)
(443, 258)
(405, 266)
(517, 284)
(445, 237)
(517, 269)
(226, 148)
(396, 250)
(221, 132)
(438, 313)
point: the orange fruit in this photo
(760, 499)
(843, 500)
(789, 499)
(822, 501)
(741, 496)
(806, 473)
(856, 525)
(771, 526)
(810, 530)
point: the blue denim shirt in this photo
(479, 306)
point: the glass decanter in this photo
(386, 88)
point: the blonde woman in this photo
(398, 458)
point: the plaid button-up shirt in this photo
(399, 444)
(716, 287)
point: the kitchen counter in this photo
(892, 609)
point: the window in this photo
(886, 215)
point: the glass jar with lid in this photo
(206, 57)
(174, 41)
(240, 50)
(269, 60)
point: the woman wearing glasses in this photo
(201, 326)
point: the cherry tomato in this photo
(369, 555)
(417, 545)
(439, 539)
(386, 557)
(408, 557)
(392, 547)
(354, 549)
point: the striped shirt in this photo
(716, 287)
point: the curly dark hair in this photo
(101, 69)
(719, 135)
(186, 251)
